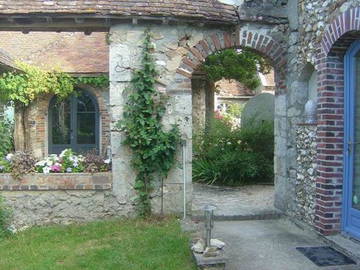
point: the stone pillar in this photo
(125, 56)
(210, 101)
(198, 104)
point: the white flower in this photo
(41, 163)
(46, 170)
(107, 161)
(69, 170)
(49, 162)
(9, 157)
(75, 164)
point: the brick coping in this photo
(307, 124)
(56, 181)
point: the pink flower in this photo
(55, 168)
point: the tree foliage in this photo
(153, 148)
(24, 86)
(241, 65)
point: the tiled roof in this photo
(71, 52)
(207, 10)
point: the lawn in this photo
(117, 244)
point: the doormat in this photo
(325, 256)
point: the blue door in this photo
(351, 198)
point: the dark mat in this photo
(325, 256)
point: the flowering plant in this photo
(69, 162)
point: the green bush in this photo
(6, 137)
(4, 219)
(227, 155)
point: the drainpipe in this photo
(184, 174)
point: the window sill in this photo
(57, 181)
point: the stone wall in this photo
(315, 16)
(178, 52)
(63, 207)
(306, 173)
(38, 199)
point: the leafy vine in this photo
(24, 86)
(241, 65)
(153, 148)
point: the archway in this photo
(336, 116)
(265, 46)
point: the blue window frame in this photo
(351, 182)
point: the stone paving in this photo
(268, 245)
(247, 202)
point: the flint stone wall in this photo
(38, 199)
(306, 173)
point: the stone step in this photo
(256, 216)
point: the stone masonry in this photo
(306, 173)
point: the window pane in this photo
(86, 128)
(85, 103)
(61, 123)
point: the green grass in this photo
(118, 244)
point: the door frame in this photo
(73, 123)
(349, 133)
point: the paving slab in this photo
(269, 245)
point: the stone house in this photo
(313, 47)
(70, 53)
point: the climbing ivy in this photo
(24, 86)
(241, 65)
(153, 149)
(99, 81)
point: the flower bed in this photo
(22, 163)
(58, 181)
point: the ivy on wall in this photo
(98, 81)
(241, 65)
(153, 149)
(23, 87)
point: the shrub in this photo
(4, 219)
(6, 137)
(227, 155)
(94, 163)
(21, 163)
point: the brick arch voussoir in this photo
(347, 21)
(263, 44)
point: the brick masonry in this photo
(330, 135)
(60, 181)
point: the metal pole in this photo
(162, 196)
(184, 174)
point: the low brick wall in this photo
(59, 181)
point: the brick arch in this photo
(342, 24)
(256, 40)
(330, 120)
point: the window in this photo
(74, 123)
